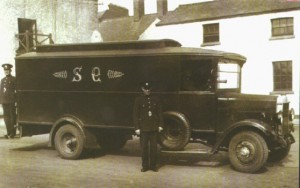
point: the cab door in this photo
(200, 109)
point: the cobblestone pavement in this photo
(28, 163)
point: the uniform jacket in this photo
(8, 90)
(147, 113)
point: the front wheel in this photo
(69, 142)
(248, 152)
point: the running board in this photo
(192, 151)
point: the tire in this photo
(248, 152)
(280, 154)
(176, 133)
(69, 142)
(111, 141)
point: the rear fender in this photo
(251, 124)
(89, 138)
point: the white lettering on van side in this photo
(96, 74)
(111, 74)
(77, 77)
(61, 74)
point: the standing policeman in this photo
(148, 121)
(8, 100)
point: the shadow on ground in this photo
(34, 147)
(197, 159)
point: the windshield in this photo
(228, 75)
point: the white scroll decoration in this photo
(61, 74)
(111, 74)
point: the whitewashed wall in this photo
(249, 36)
(71, 21)
(10, 11)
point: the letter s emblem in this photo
(77, 77)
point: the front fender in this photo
(249, 124)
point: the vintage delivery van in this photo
(83, 95)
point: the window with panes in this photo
(283, 75)
(282, 27)
(211, 33)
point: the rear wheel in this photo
(69, 142)
(176, 133)
(248, 152)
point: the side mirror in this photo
(222, 81)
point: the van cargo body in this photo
(83, 95)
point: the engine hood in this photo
(247, 103)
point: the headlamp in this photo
(291, 114)
(280, 117)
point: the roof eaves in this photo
(191, 20)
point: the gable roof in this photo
(220, 9)
(114, 11)
(125, 28)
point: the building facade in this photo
(71, 21)
(267, 32)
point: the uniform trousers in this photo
(9, 112)
(149, 149)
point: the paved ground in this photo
(29, 163)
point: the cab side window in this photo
(196, 76)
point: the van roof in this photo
(124, 45)
(124, 48)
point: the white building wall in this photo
(10, 11)
(71, 21)
(249, 36)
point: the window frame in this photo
(285, 80)
(200, 76)
(211, 34)
(285, 24)
(238, 72)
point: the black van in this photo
(83, 95)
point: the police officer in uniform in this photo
(148, 121)
(8, 100)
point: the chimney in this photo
(139, 9)
(162, 8)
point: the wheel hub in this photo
(245, 152)
(70, 143)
